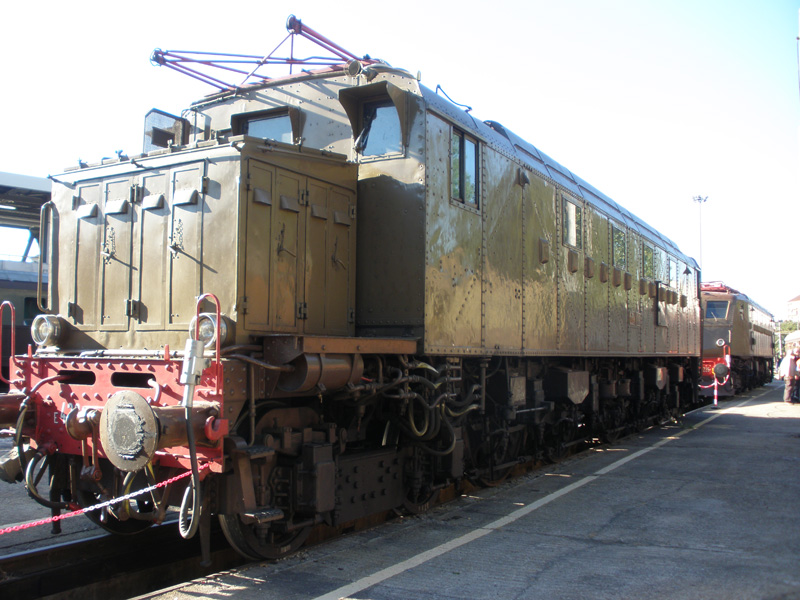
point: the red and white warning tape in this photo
(75, 513)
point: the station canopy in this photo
(21, 198)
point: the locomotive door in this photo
(185, 243)
(571, 286)
(330, 247)
(150, 279)
(258, 246)
(273, 248)
(82, 307)
(539, 265)
(596, 289)
(286, 240)
(116, 255)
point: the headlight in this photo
(46, 330)
(208, 329)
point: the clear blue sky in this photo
(651, 102)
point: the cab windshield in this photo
(717, 309)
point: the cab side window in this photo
(464, 168)
(619, 248)
(380, 131)
(573, 224)
(274, 127)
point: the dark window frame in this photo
(577, 225)
(369, 112)
(240, 123)
(716, 305)
(648, 262)
(619, 261)
(459, 185)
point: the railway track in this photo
(109, 566)
(106, 567)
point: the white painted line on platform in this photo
(396, 569)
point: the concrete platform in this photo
(706, 508)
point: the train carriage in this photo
(385, 297)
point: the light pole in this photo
(700, 201)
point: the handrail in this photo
(44, 233)
(218, 353)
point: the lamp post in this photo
(700, 201)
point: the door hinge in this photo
(132, 308)
(351, 315)
(352, 211)
(302, 310)
(242, 308)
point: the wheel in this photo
(260, 542)
(107, 517)
(556, 438)
(613, 424)
(420, 492)
(496, 455)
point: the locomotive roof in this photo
(538, 161)
(490, 131)
(718, 287)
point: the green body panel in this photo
(270, 228)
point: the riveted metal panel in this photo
(330, 239)
(539, 290)
(150, 277)
(287, 244)
(116, 255)
(596, 290)
(571, 293)
(258, 245)
(454, 254)
(502, 275)
(618, 299)
(660, 304)
(339, 261)
(633, 272)
(83, 303)
(185, 243)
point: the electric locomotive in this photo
(738, 341)
(331, 294)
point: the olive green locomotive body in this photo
(738, 330)
(407, 297)
(536, 262)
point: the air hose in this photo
(193, 366)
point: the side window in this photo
(274, 127)
(464, 168)
(619, 249)
(648, 262)
(380, 130)
(573, 224)
(673, 273)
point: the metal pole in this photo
(700, 201)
